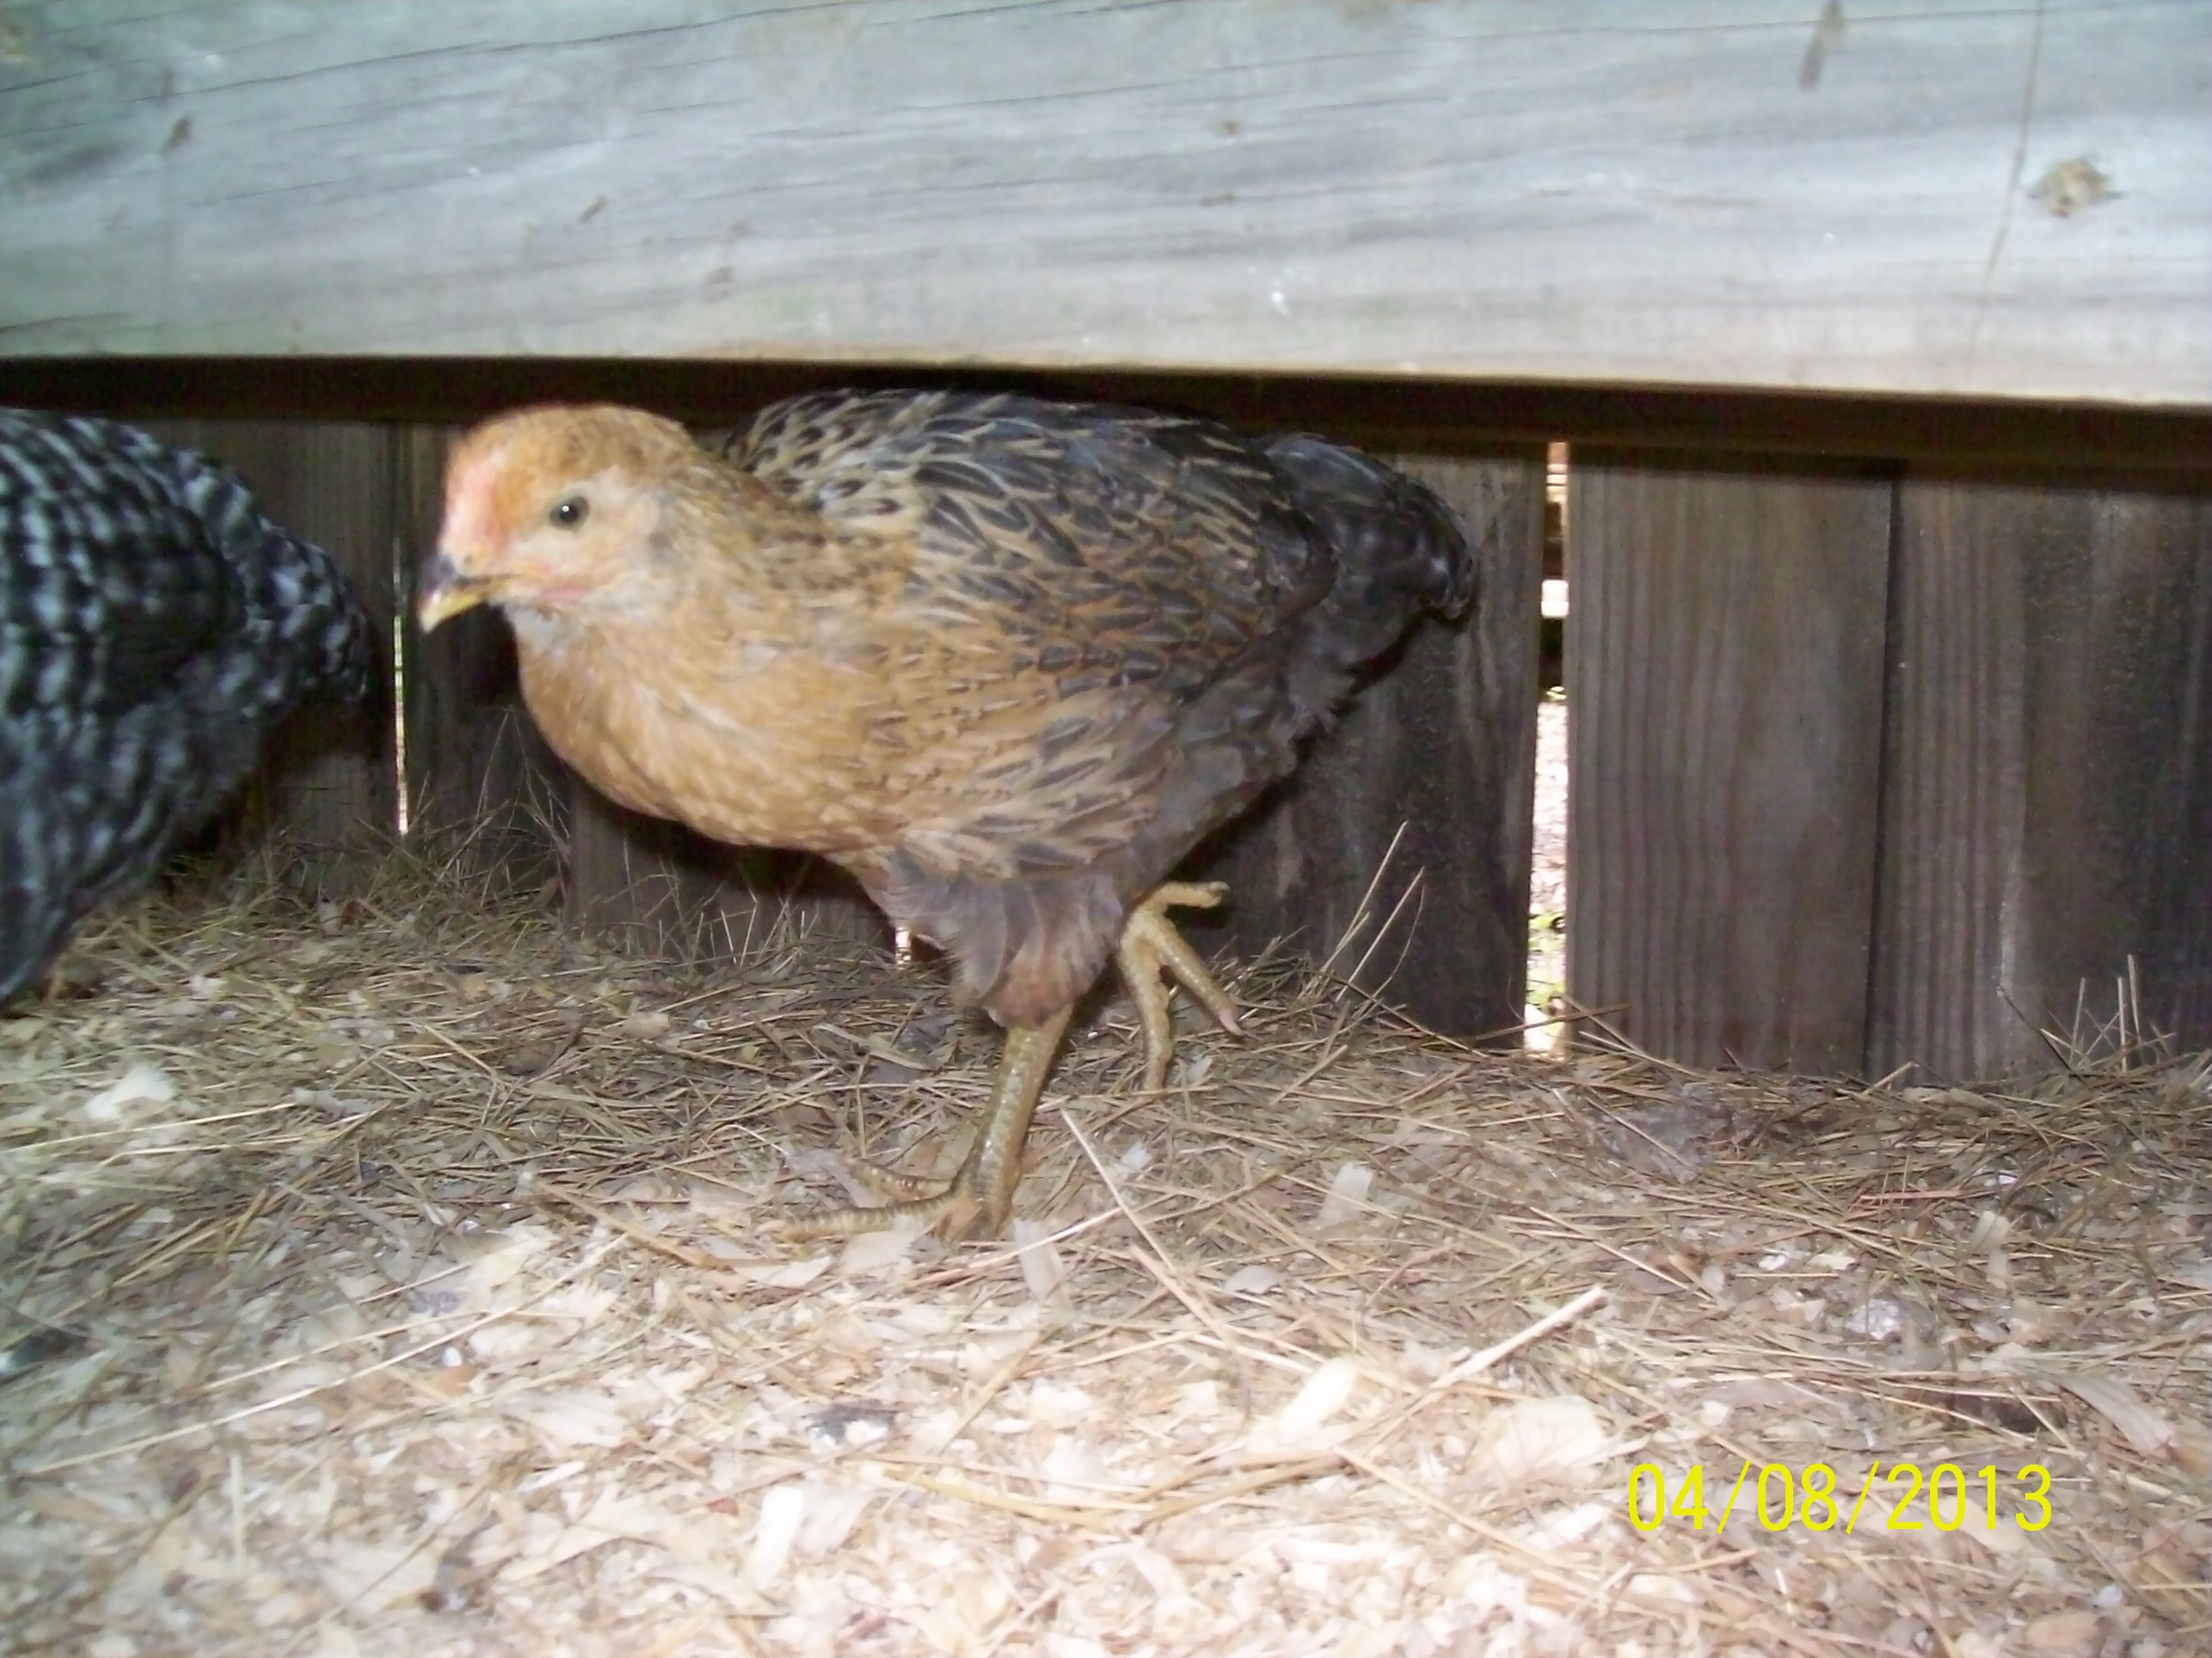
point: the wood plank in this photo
(654, 888)
(643, 884)
(1725, 666)
(326, 793)
(482, 786)
(2049, 809)
(1399, 851)
(1387, 414)
(1686, 193)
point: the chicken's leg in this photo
(1150, 943)
(980, 1197)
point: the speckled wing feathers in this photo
(1398, 549)
(152, 622)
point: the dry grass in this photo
(417, 1261)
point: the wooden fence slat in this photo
(1442, 744)
(2049, 809)
(328, 784)
(642, 883)
(654, 887)
(1725, 666)
(482, 784)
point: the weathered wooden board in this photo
(656, 888)
(1387, 414)
(325, 789)
(1684, 192)
(1724, 665)
(2049, 814)
(482, 786)
(642, 883)
(1398, 852)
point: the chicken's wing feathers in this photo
(152, 622)
(1131, 544)
(108, 585)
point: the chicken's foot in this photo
(1150, 944)
(978, 1199)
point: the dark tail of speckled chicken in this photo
(1399, 552)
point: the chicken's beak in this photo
(445, 592)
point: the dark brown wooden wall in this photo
(1887, 768)
(2049, 814)
(1400, 851)
(1724, 684)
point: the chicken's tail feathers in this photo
(1398, 549)
(327, 641)
(1390, 533)
(319, 616)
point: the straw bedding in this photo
(398, 1277)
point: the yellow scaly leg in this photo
(978, 1199)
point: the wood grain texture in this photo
(641, 883)
(482, 787)
(1399, 849)
(2049, 799)
(1388, 415)
(325, 795)
(654, 887)
(1541, 190)
(1724, 665)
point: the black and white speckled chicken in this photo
(153, 625)
(1004, 659)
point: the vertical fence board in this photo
(328, 783)
(1725, 671)
(642, 883)
(2049, 804)
(656, 888)
(481, 785)
(1442, 745)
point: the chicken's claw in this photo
(979, 1198)
(1150, 944)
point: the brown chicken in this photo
(1006, 660)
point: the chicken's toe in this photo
(1150, 945)
(979, 1198)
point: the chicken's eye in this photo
(570, 511)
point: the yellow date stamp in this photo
(1905, 1498)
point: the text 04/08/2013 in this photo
(1904, 1498)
